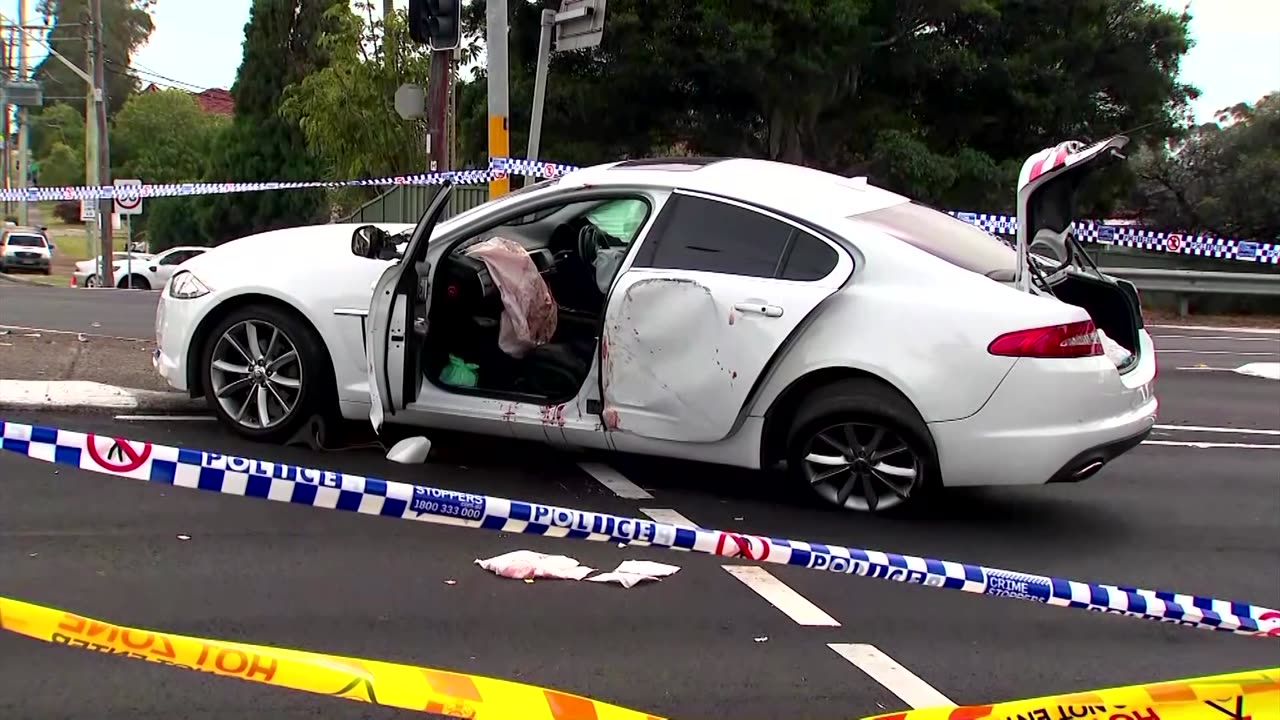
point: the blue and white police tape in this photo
(1093, 232)
(1087, 231)
(184, 467)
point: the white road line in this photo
(885, 670)
(1214, 352)
(668, 516)
(1207, 429)
(1216, 337)
(1212, 328)
(22, 328)
(166, 418)
(1212, 445)
(780, 595)
(615, 481)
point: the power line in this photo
(143, 71)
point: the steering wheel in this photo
(589, 243)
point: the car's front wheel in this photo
(265, 373)
(861, 446)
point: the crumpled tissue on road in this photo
(529, 565)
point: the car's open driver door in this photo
(398, 321)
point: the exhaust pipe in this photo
(1088, 470)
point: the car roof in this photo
(782, 187)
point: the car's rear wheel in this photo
(92, 281)
(139, 283)
(859, 445)
(265, 373)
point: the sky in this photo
(1236, 58)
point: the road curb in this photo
(90, 396)
(6, 277)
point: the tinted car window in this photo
(944, 236)
(700, 234)
(32, 241)
(808, 259)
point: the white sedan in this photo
(736, 311)
(139, 271)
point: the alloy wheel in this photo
(92, 282)
(256, 374)
(862, 466)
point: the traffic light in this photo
(436, 23)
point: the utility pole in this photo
(23, 120)
(6, 45)
(105, 205)
(437, 110)
(496, 50)
(91, 144)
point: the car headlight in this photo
(186, 286)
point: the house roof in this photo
(215, 101)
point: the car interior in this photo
(569, 253)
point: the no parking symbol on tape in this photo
(116, 455)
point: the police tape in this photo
(500, 167)
(229, 475)
(440, 692)
(1249, 695)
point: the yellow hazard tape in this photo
(1248, 695)
(402, 686)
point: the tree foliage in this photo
(1222, 179)
(59, 123)
(62, 165)
(281, 48)
(345, 110)
(165, 137)
(940, 98)
(127, 25)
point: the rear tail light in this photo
(1073, 340)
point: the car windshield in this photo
(31, 241)
(487, 206)
(944, 236)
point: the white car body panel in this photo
(889, 310)
(156, 269)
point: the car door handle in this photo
(772, 311)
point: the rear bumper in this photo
(1088, 463)
(10, 262)
(1051, 421)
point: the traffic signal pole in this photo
(499, 124)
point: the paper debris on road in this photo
(527, 565)
(633, 572)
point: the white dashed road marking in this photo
(900, 681)
(615, 481)
(780, 595)
(670, 517)
(1225, 430)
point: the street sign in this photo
(410, 101)
(579, 24)
(88, 210)
(128, 197)
(25, 93)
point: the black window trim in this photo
(649, 248)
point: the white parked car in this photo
(25, 249)
(142, 271)
(735, 311)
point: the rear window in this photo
(945, 237)
(33, 241)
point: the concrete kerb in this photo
(19, 280)
(91, 396)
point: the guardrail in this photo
(1197, 282)
(1183, 283)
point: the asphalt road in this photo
(701, 644)
(114, 313)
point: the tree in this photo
(62, 166)
(940, 98)
(281, 48)
(127, 26)
(164, 137)
(1221, 179)
(61, 123)
(345, 111)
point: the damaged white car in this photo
(733, 311)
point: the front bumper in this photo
(176, 324)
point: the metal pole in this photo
(496, 52)
(128, 246)
(91, 149)
(23, 119)
(540, 82)
(5, 46)
(437, 106)
(105, 205)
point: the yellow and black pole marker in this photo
(499, 125)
